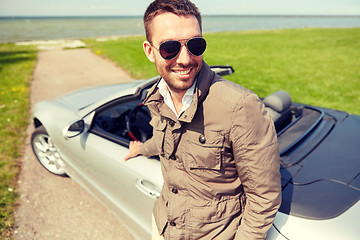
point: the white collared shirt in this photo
(186, 100)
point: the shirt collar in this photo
(186, 101)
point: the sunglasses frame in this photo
(182, 42)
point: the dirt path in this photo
(53, 207)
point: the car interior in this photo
(124, 122)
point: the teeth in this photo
(183, 72)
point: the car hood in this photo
(80, 99)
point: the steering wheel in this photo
(137, 123)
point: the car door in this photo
(129, 189)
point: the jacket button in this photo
(174, 190)
(202, 139)
(173, 224)
(173, 157)
(171, 123)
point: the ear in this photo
(149, 51)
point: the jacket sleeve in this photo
(257, 161)
(149, 149)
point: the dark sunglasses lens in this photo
(196, 46)
(169, 49)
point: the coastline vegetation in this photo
(316, 66)
(17, 64)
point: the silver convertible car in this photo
(86, 134)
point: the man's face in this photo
(179, 73)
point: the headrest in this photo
(278, 101)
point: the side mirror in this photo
(222, 70)
(75, 129)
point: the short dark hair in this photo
(177, 7)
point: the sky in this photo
(206, 7)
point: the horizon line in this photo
(204, 15)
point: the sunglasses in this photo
(171, 49)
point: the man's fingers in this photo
(134, 150)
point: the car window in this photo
(123, 122)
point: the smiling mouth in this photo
(183, 72)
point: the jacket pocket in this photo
(204, 150)
(159, 127)
(218, 210)
(219, 220)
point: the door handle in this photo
(148, 188)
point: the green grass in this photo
(127, 53)
(16, 68)
(316, 66)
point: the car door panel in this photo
(98, 165)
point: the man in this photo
(217, 145)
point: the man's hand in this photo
(134, 150)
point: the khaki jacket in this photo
(220, 163)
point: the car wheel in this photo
(46, 152)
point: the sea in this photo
(15, 29)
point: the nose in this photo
(184, 56)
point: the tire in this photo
(46, 152)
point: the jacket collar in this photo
(156, 104)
